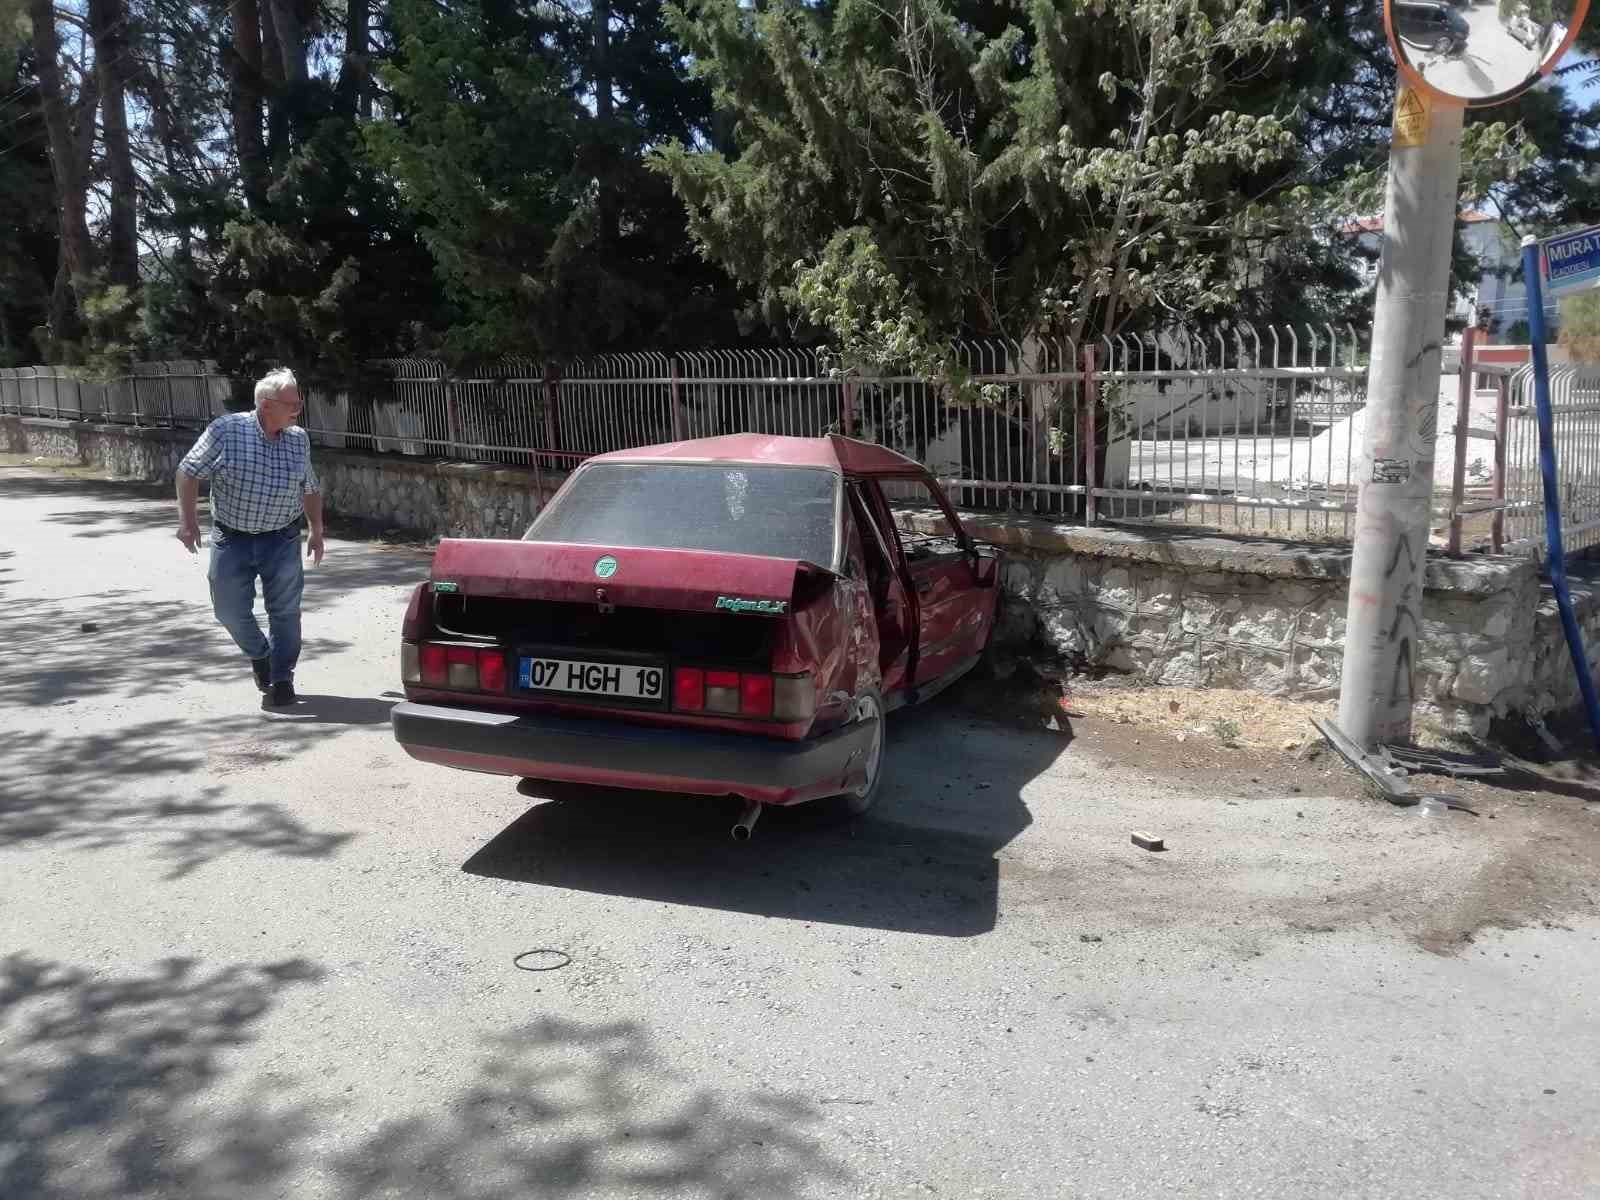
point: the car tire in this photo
(849, 805)
(1443, 45)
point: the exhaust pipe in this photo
(746, 823)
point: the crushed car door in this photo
(890, 602)
(951, 609)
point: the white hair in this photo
(273, 383)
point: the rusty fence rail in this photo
(1244, 430)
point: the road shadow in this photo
(140, 648)
(108, 1091)
(98, 790)
(373, 566)
(99, 1068)
(923, 861)
(108, 522)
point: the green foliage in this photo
(545, 230)
(28, 244)
(479, 143)
(526, 176)
(1580, 327)
(1013, 171)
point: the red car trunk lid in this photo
(685, 580)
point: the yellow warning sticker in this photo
(1410, 118)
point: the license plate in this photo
(619, 680)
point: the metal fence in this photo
(181, 394)
(1243, 431)
(1575, 422)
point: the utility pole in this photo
(1383, 624)
(1462, 59)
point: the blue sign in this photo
(1572, 261)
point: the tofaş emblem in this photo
(605, 567)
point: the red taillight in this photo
(688, 689)
(755, 695)
(491, 671)
(788, 698)
(462, 668)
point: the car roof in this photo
(845, 456)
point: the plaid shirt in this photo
(257, 484)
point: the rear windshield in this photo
(776, 512)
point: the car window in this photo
(925, 530)
(732, 508)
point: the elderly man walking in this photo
(262, 487)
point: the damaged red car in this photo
(729, 616)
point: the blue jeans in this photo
(236, 560)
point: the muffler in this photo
(746, 823)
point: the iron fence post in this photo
(172, 407)
(1091, 434)
(847, 405)
(1502, 405)
(1033, 362)
(452, 415)
(552, 409)
(679, 421)
(1464, 392)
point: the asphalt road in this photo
(244, 955)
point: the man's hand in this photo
(314, 547)
(189, 535)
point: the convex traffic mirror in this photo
(1480, 52)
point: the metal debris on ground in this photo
(1405, 759)
(1147, 841)
(1381, 772)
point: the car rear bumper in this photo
(616, 754)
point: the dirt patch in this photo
(1230, 718)
(1530, 857)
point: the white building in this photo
(1497, 294)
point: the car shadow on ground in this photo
(110, 1091)
(923, 861)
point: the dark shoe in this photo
(263, 672)
(281, 696)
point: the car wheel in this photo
(848, 805)
(1444, 45)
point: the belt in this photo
(230, 531)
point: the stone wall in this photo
(151, 454)
(41, 437)
(441, 499)
(1172, 607)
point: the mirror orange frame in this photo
(1413, 77)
